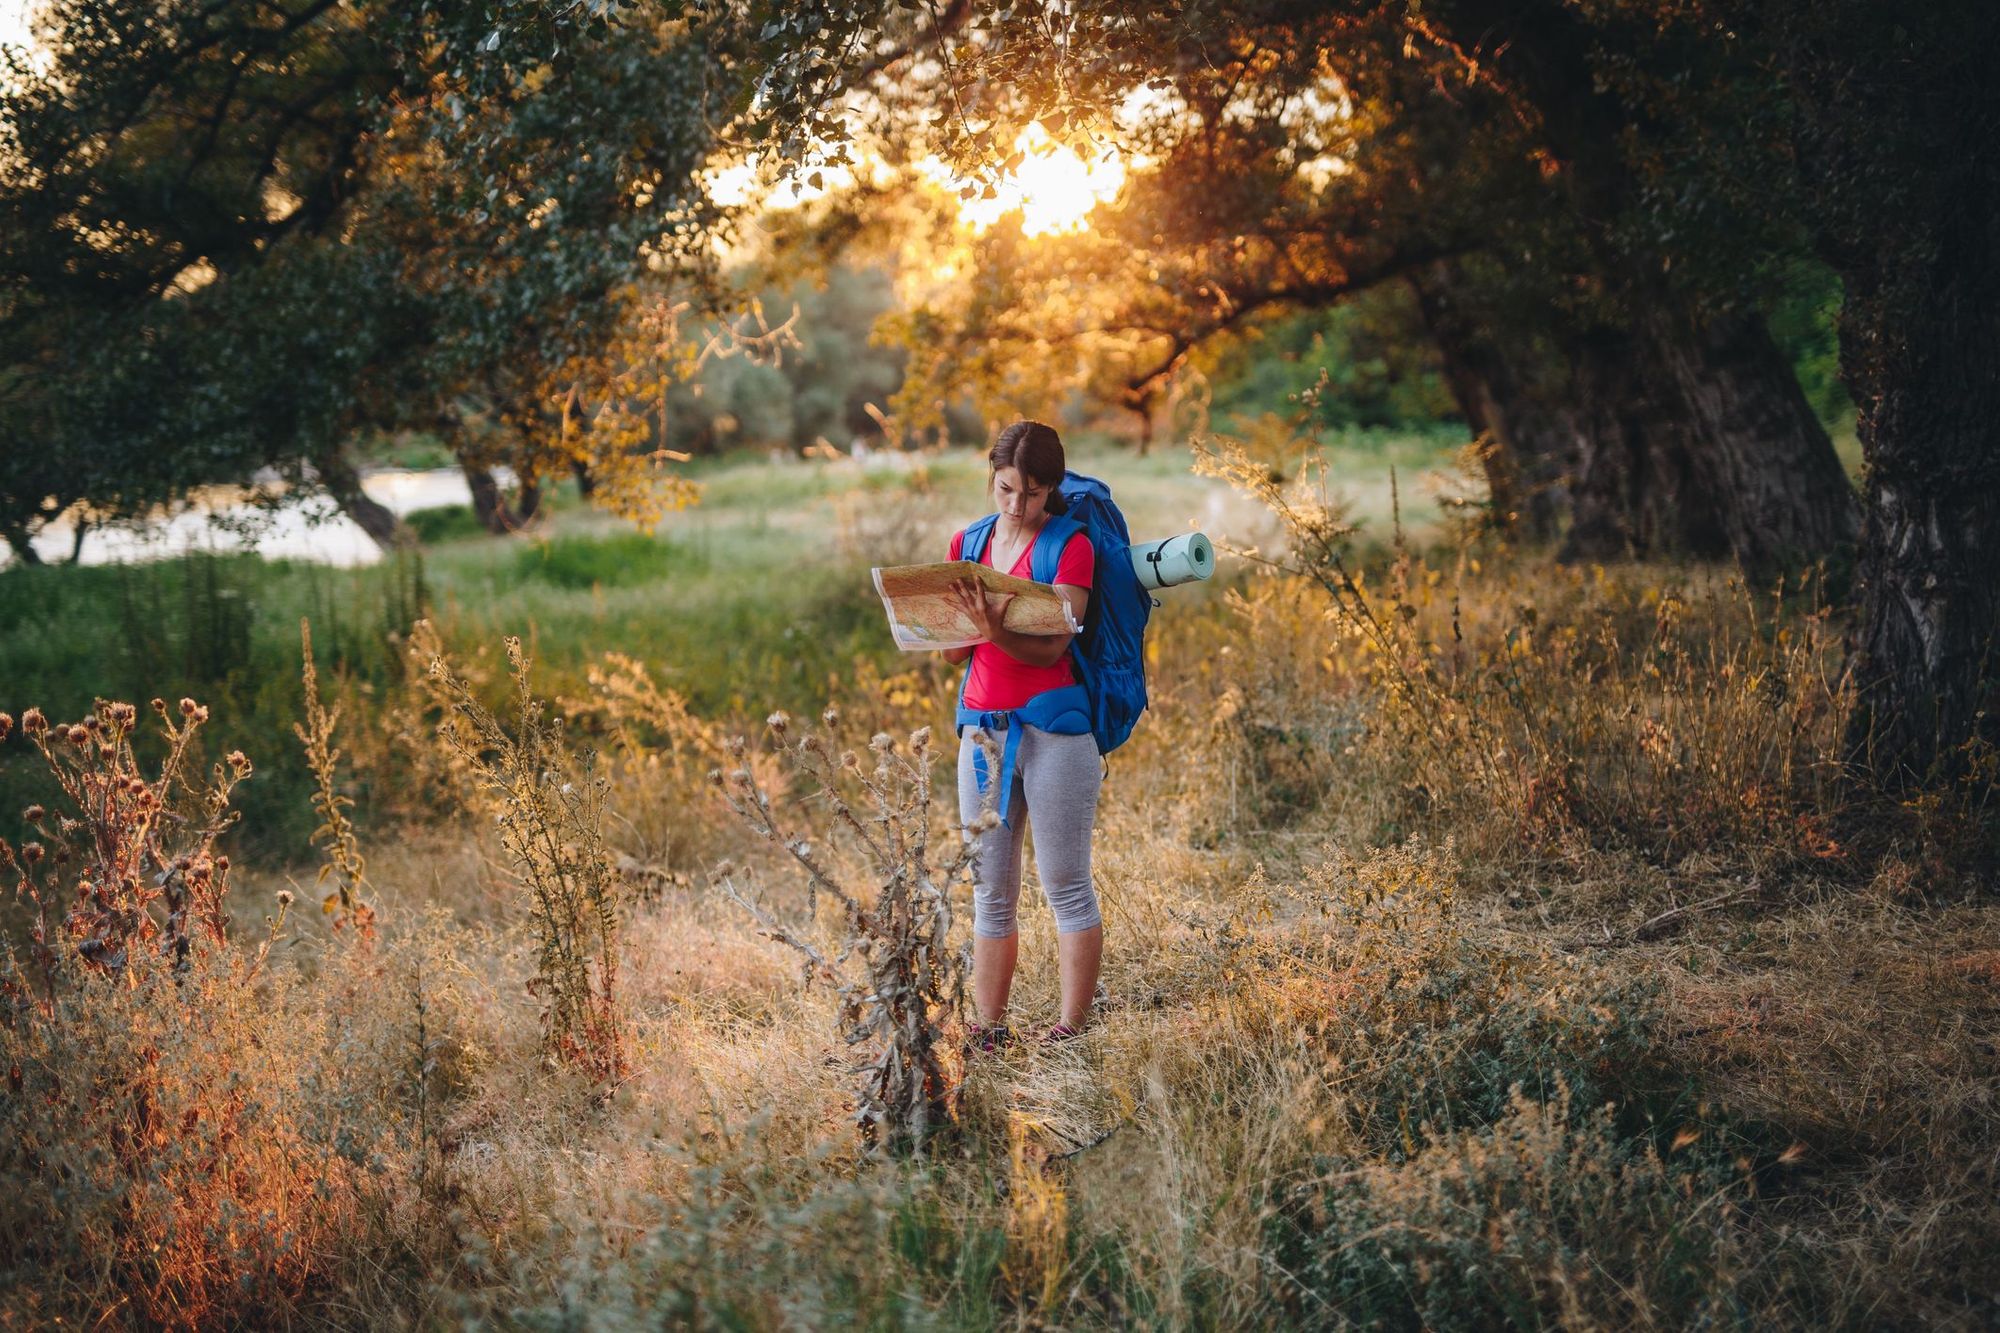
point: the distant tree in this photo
(831, 378)
(234, 235)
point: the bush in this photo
(444, 523)
(623, 559)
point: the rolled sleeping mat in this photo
(1173, 560)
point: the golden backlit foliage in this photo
(606, 413)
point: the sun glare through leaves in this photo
(1048, 183)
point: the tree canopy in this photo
(1605, 324)
(238, 235)
(243, 235)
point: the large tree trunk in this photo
(1528, 433)
(1683, 409)
(1699, 442)
(494, 513)
(1927, 660)
(1898, 136)
(343, 483)
(1670, 438)
(1638, 490)
(1755, 445)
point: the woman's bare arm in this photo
(1035, 649)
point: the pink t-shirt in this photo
(1001, 680)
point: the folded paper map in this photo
(924, 616)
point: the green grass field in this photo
(757, 597)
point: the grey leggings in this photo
(1055, 780)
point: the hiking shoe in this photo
(1060, 1033)
(983, 1040)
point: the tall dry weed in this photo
(550, 812)
(893, 965)
(158, 1172)
(342, 862)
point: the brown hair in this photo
(1036, 451)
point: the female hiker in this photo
(1021, 697)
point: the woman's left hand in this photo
(985, 610)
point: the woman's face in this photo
(1021, 499)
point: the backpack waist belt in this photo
(1064, 712)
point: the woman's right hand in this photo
(985, 610)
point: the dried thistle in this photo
(133, 879)
(898, 979)
(344, 863)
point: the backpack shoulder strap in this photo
(1049, 544)
(977, 534)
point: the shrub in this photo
(222, 628)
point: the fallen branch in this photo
(1653, 927)
(1082, 1148)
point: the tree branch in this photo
(942, 26)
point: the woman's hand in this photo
(985, 610)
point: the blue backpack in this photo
(1109, 656)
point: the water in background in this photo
(218, 519)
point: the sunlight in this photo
(1052, 188)
(14, 30)
(18, 44)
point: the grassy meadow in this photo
(1489, 942)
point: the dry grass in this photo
(1490, 943)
